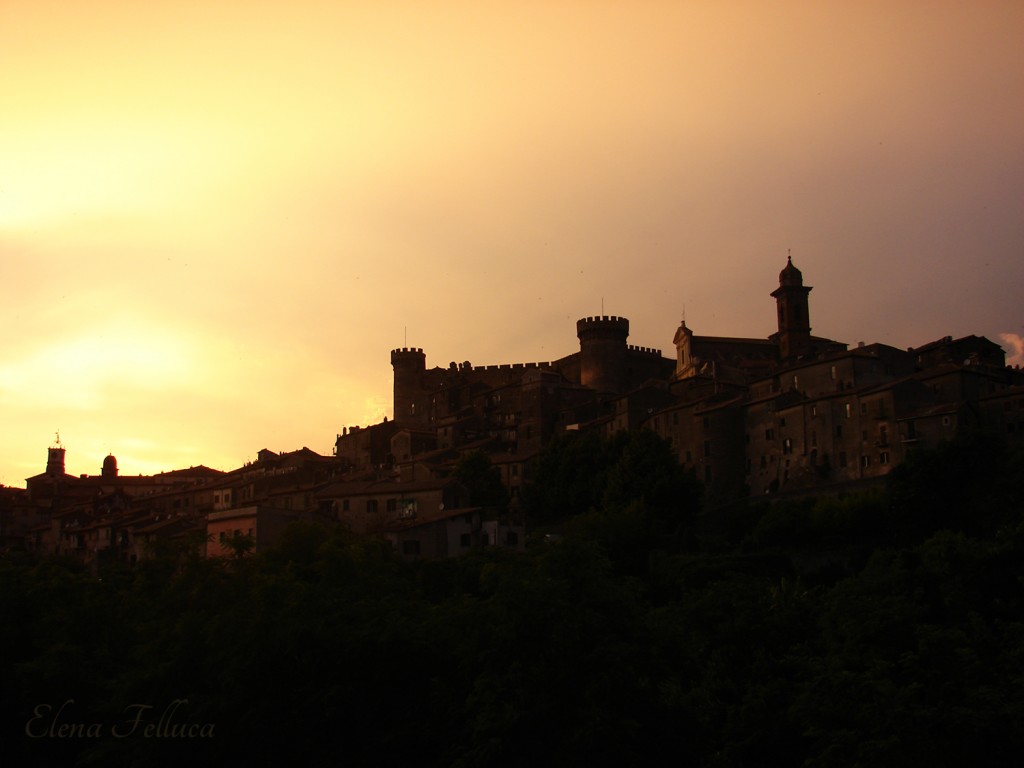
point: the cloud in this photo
(1015, 343)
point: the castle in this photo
(787, 413)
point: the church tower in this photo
(685, 361)
(794, 335)
(55, 460)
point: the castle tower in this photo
(409, 364)
(794, 335)
(109, 467)
(603, 352)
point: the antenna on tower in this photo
(602, 306)
(405, 337)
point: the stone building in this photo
(790, 412)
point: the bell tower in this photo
(794, 334)
(55, 459)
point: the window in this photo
(848, 410)
(883, 434)
(782, 421)
(883, 458)
(839, 430)
(796, 381)
(832, 373)
(814, 410)
(842, 458)
(865, 461)
(344, 505)
(863, 409)
(814, 439)
(371, 505)
(787, 445)
(707, 447)
(769, 434)
(392, 505)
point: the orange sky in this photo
(217, 218)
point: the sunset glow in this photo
(216, 219)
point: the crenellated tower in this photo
(794, 334)
(603, 352)
(409, 364)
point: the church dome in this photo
(110, 466)
(790, 275)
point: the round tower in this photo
(794, 335)
(603, 352)
(409, 364)
(109, 467)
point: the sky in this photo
(218, 218)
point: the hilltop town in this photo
(763, 417)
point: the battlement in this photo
(602, 323)
(513, 366)
(407, 353)
(644, 350)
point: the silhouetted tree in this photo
(482, 481)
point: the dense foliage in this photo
(882, 629)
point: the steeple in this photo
(794, 334)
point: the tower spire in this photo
(794, 334)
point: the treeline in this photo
(878, 629)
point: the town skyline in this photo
(215, 223)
